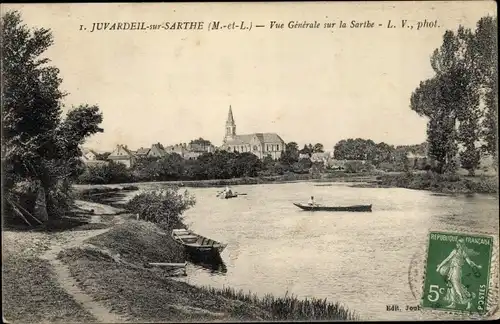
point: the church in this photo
(260, 144)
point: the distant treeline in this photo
(172, 167)
(229, 165)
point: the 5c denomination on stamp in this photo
(457, 272)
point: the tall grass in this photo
(289, 307)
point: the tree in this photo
(201, 141)
(39, 150)
(354, 149)
(485, 47)
(383, 153)
(318, 148)
(466, 73)
(201, 144)
(306, 150)
(291, 154)
(438, 98)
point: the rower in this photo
(311, 201)
(228, 192)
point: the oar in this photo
(240, 194)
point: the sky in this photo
(307, 85)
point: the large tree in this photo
(39, 149)
(318, 148)
(485, 47)
(291, 154)
(466, 74)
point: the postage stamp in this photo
(457, 272)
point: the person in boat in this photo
(228, 192)
(311, 201)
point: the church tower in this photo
(230, 126)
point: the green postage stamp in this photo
(457, 272)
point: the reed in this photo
(289, 307)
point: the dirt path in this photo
(68, 283)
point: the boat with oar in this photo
(224, 195)
(317, 207)
(195, 243)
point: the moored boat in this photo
(355, 208)
(195, 243)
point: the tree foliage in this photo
(40, 148)
(163, 207)
(466, 73)
(291, 154)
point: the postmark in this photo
(458, 270)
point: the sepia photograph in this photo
(249, 161)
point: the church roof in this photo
(261, 137)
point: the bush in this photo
(163, 207)
(354, 166)
(105, 173)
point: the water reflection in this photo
(212, 263)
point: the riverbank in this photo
(137, 243)
(458, 184)
(101, 275)
(455, 184)
(31, 291)
(290, 177)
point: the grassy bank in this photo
(127, 287)
(440, 183)
(30, 290)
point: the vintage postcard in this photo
(280, 161)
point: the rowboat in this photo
(355, 208)
(229, 196)
(233, 195)
(194, 243)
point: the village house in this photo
(89, 157)
(323, 157)
(142, 152)
(180, 149)
(121, 154)
(260, 144)
(157, 150)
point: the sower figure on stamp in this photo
(451, 269)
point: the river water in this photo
(366, 261)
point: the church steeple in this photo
(230, 125)
(230, 119)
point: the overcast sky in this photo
(307, 85)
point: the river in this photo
(366, 261)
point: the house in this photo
(121, 154)
(323, 157)
(199, 148)
(89, 157)
(142, 152)
(180, 149)
(157, 151)
(260, 144)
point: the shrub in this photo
(163, 207)
(106, 173)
